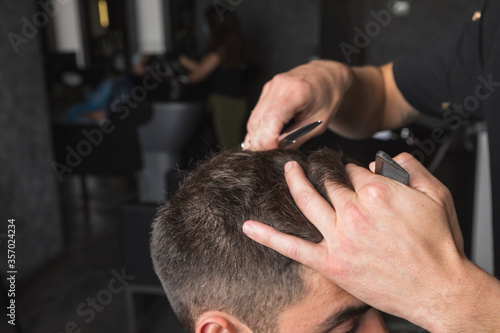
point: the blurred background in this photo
(104, 101)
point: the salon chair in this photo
(162, 141)
(135, 225)
(115, 154)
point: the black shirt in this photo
(457, 78)
(228, 82)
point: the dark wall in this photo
(28, 190)
(338, 18)
(279, 34)
(406, 34)
(282, 34)
(396, 34)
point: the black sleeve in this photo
(445, 70)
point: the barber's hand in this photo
(398, 248)
(309, 93)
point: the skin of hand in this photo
(354, 102)
(398, 248)
(308, 92)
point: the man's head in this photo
(210, 269)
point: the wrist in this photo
(334, 80)
(468, 301)
(361, 112)
(340, 76)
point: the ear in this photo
(213, 325)
(219, 322)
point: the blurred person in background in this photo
(98, 103)
(224, 65)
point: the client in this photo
(219, 280)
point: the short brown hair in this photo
(200, 253)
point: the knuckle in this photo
(316, 62)
(304, 199)
(302, 84)
(291, 90)
(405, 157)
(293, 83)
(253, 122)
(298, 84)
(281, 78)
(266, 87)
(444, 195)
(272, 239)
(375, 193)
(302, 91)
(293, 251)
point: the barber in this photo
(398, 248)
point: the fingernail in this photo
(288, 166)
(248, 229)
(372, 166)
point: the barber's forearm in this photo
(188, 63)
(361, 112)
(355, 102)
(469, 303)
(196, 77)
(205, 68)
